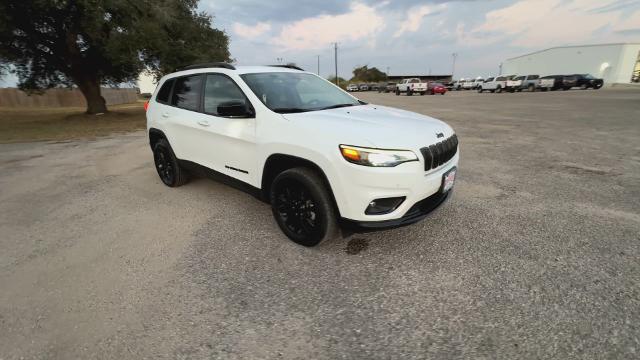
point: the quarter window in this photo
(165, 91)
(219, 89)
(186, 92)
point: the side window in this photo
(533, 77)
(165, 91)
(488, 80)
(186, 92)
(220, 89)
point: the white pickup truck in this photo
(411, 86)
(497, 84)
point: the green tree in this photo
(89, 43)
(342, 82)
(366, 74)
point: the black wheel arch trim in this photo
(278, 162)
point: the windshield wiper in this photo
(336, 106)
(289, 110)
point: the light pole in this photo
(318, 64)
(335, 51)
(453, 67)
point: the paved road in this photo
(537, 256)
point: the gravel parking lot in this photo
(536, 256)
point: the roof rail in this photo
(294, 67)
(207, 65)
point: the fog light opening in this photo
(383, 206)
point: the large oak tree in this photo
(89, 43)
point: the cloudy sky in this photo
(411, 36)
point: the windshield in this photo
(288, 92)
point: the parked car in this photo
(352, 87)
(286, 136)
(373, 87)
(496, 84)
(449, 85)
(411, 86)
(583, 81)
(519, 83)
(476, 83)
(458, 84)
(436, 88)
(546, 83)
(387, 87)
(363, 87)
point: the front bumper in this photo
(417, 212)
(360, 185)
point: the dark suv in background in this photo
(583, 81)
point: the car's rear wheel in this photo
(532, 88)
(409, 92)
(167, 165)
(397, 92)
(303, 207)
(499, 89)
(480, 90)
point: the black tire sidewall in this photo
(320, 195)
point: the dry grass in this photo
(40, 124)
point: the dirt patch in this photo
(356, 245)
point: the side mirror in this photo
(234, 109)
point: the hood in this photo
(373, 126)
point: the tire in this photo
(303, 207)
(167, 165)
(409, 92)
(397, 92)
(597, 86)
(499, 89)
(480, 90)
(532, 88)
(422, 93)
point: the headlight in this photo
(376, 157)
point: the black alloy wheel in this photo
(167, 165)
(165, 168)
(302, 207)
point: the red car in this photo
(436, 88)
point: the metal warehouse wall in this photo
(612, 62)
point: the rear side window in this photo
(533, 77)
(186, 92)
(165, 91)
(501, 78)
(220, 89)
(489, 79)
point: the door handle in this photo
(165, 115)
(203, 123)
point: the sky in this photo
(411, 36)
(414, 37)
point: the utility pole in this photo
(500, 68)
(453, 67)
(318, 64)
(387, 73)
(335, 51)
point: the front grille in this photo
(438, 154)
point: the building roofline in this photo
(571, 46)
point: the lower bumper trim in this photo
(417, 212)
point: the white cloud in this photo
(360, 23)
(414, 18)
(544, 23)
(248, 32)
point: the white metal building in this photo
(615, 63)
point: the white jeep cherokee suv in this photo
(320, 156)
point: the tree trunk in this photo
(90, 88)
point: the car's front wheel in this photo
(303, 207)
(167, 165)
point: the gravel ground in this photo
(536, 256)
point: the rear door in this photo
(181, 118)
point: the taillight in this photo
(146, 105)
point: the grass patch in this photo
(41, 124)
